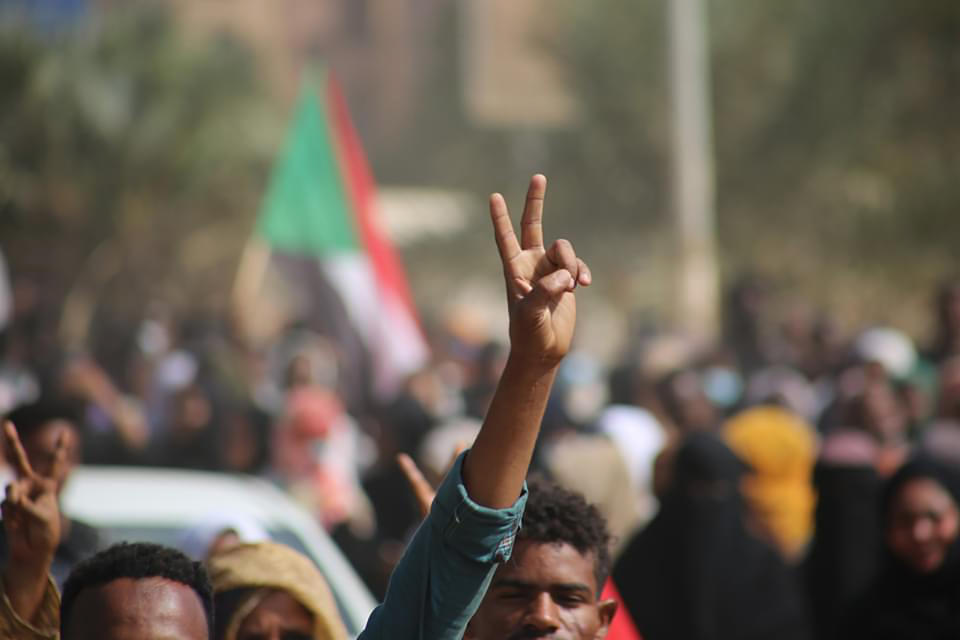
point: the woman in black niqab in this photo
(917, 594)
(696, 572)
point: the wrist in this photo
(28, 569)
(531, 364)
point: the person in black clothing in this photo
(843, 557)
(696, 572)
(39, 425)
(916, 595)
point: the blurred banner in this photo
(319, 254)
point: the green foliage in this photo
(835, 132)
(131, 159)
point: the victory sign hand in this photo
(31, 515)
(540, 281)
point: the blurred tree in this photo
(838, 148)
(131, 166)
(835, 139)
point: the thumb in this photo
(551, 287)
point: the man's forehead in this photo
(544, 563)
(152, 608)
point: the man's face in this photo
(278, 617)
(138, 609)
(41, 447)
(547, 590)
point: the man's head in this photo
(39, 426)
(141, 591)
(551, 586)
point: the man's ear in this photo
(468, 633)
(606, 609)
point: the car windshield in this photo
(170, 536)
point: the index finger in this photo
(507, 243)
(531, 223)
(18, 457)
(60, 466)
(421, 488)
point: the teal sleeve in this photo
(447, 567)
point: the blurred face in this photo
(278, 617)
(545, 591)
(193, 410)
(41, 447)
(923, 524)
(883, 413)
(144, 609)
(694, 410)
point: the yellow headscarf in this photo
(268, 565)
(781, 449)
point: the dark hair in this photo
(136, 560)
(30, 418)
(557, 515)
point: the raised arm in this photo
(472, 523)
(540, 282)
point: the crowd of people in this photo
(789, 481)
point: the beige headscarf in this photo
(267, 565)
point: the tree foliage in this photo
(131, 161)
(835, 136)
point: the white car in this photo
(155, 505)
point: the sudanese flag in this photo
(319, 222)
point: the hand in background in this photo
(31, 518)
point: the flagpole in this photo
(251, 272)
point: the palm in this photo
(540, 281)
(39, 527)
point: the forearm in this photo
(496, 466)
(443, 575)
(25, 585)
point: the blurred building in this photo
(510, 74)
(384, 51)
(379, 48)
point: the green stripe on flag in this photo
(305, 210)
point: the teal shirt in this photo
(447, 567)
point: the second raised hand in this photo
(539, 280)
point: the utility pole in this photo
(698, 281)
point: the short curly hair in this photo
(555, 514)
(136, 560)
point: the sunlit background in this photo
(218, 217)
(137, 141)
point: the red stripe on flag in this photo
(622, 627)
(361, 192)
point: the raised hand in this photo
(421, 488)
(540, 281)
(31, 515)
